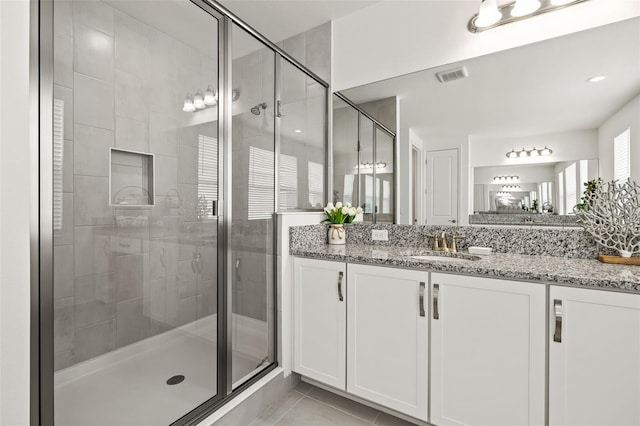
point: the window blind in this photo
(261, 183)
(621, 156)
(316, 184)
(208, 171)
(288, 182)
(58, 161)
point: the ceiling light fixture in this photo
(523, 153)
(596, 79)
(490, 15)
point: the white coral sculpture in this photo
(611, 214)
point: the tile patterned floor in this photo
(307, 405)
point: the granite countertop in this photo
(546, 269)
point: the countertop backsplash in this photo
(567, 243)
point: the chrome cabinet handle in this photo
(557, 307)
(421, 293)
(436, 290)
(340, 275)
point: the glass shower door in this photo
(135, 233)
(252, 207)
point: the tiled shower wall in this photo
(124, 274)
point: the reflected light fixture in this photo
(210, 97)
(200, 101)
(506, 179)
(523, 153)
(368, 165)
(188, 105)
(510, 187)
(490, 15)
(298, 131)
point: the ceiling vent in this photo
(452, 74)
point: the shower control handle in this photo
(421, 296)
(340, 276)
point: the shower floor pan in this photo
(128, 386)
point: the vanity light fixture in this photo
(210, 96)
(523, 153)
(510, 187)
(490, 15)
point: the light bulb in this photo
(523, 153)
(525, 7)
(512, 154)
(198, 100)
(188, 105)
(209, 96)
(488, 14)
(545, 151)
(561, 2)
(534, 152)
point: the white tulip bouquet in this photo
(340, 213)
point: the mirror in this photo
(522, 99)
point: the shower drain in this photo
(175, 379)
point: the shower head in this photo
(256, 109)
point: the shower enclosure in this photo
(171, 134)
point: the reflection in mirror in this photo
(534, 188)
(363, 161)
(529, 97)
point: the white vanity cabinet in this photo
(387, 337)
(320, 315)
(487, 351)
(594, 357)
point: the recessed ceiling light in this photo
(298, 131)
(596, 79)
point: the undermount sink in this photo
(446, 257)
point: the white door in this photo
(387, 329)
(487, 351)
(442, 187)
(320, 310)
(594, 358)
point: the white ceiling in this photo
(280, 19)
(536, 89)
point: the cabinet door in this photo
(487, 351)
(387, 329)
(594, 358)
(320, 311)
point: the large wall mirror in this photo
(517, 102)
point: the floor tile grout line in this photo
(290, 408)
(341, 410)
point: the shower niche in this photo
(131, 178)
